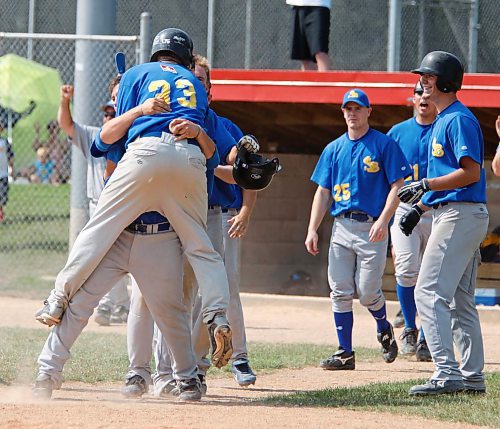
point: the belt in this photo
(156, 228)
(359, 216)
(218, 207)
(159, 134)
(436, 206)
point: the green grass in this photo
(103, 357)
(33, 239)
(394, 398)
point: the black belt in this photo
(358, 216)
(436, 206)
(218, 207)
(156, 228)
(159, 134)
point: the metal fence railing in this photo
(34, 230)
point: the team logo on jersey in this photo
(167, 68)
(353, 94)
(370, 166)
(255, 176)
(437, 149)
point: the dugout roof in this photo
(299, 112)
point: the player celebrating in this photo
(361, 172)
(163, 170)
(455, 188)
(411, 136)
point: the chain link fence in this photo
(234, 33)
(35, 155)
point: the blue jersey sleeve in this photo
(233, 129)
(465, 138)
(322, 174)
(213, 162)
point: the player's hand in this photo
(312, 242)
(184, 129)
(378, 231)
(67, 92)
(497, 126)
(412, 193)
(248, 142)
(239, 225)
(410, 219)
(153, 106)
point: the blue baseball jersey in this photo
(176, 84)
(359, 173)
(455, 134)
(228, 195)
(413, 139)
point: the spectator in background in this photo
(311, 33)
(6, 161)
(58, 151)
(495, 165)
(44, 168)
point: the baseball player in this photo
(411, 136)
(455, 189)
(226, 145)
(358, 176)
(163, 169)
(115, 304)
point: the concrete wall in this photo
(274, 258)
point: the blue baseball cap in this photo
(356, 96)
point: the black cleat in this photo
(389, 345)
(340, 360)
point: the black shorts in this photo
(310, 31)
(4, 191)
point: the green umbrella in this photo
(21, 82)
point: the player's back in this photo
(174, 83)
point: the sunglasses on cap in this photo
(419, 92)
(109, 115)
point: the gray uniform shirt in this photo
(83, 137)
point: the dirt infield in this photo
(269, 319)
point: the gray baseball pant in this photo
(194, 301)
(154, 261)
(155, 174)
(445, 292)
(409, 250)
(118, 295)
(355, 265)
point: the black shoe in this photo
(103, 315)
(423, 354)
(340, 360)
(472, 391)
(119, 314)
(242, 373)
(188, 390)
(135, 387)
(389, 345)
(203, 383)
(437, 387)
(409, 341)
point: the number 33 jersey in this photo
(174, 83)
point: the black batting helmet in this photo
(253, 171)
(447, 67)
(174, 41)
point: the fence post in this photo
(92, 17)
(210, 32)
(394, 39)
(473, 30)
(31, 28)
(248, 35)
(145, 38)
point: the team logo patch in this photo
(255, 176)
(370, 166)
(353, 94)
(167, 68)
(437, 149)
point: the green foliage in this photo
(394, 398)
